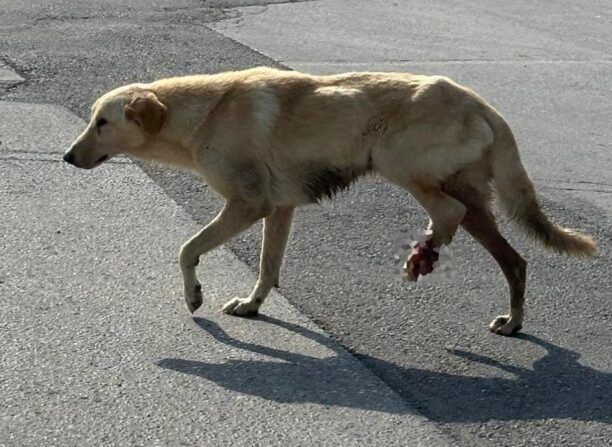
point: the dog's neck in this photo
(164, 151)
(178, 141)
(190, 114)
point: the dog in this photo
(269, 140)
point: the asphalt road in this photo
(550, 386)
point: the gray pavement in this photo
(98, 348)
(544, 65)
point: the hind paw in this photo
(421, 261)
(504, 325)
(243, 307)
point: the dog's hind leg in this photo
(480, 222)
(445, 212)
(235, 217)
(445, 215)
(276, 233)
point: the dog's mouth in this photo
(99, 161)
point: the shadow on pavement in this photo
(557, 387)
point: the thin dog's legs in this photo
(276, 233)
(235, 217)
(480, 223)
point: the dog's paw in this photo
(243, 307)
(504, 325)
(421, 261)
(193, 298)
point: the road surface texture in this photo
(545, 66)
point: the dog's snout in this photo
(69, 157)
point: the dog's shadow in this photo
(557, 386)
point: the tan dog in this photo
(270, 140)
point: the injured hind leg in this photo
(445, 215)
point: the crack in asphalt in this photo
(560, 188)
(247, 3)
(561, 185)
(47, 157)
(53, 160)
(450, 61)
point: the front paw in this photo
(193, 298)
(243, 307)
(504, 325)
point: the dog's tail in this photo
(517, 195)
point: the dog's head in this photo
(122, 121)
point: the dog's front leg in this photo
(276, 232)
(235, 217)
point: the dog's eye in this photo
(101, 122)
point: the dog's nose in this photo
(69, 157)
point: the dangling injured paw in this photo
(423, 261)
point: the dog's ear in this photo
(147, 112)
